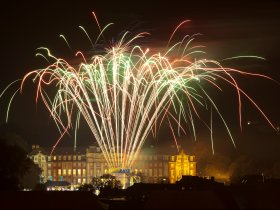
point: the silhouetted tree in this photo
(86, 187)
(105, 181)
(40, 187)
(32, 176)
(96, 183)
(15, 166)
(110, 181)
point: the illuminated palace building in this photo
(81, 165)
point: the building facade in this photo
(96, 164)
(67, 164)
(152, 167)
(180, 165)
(39, 157)
(80, 166)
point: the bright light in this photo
(126, 92)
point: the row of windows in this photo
(153, 157)
(35, 158)
(140, 157)
(156, 164)
(80, 181)
(180, 158)
(67, 165)
(65, 157)
(172, 165)
(68, 172)
(152, 172)
(179, 174)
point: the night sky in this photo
(229, 29)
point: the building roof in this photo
(147, 150)
(59, 151)
(38, 150)
(68, 151)
(162, 150)
(94, 149)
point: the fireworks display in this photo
(126, 91)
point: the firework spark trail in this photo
(126, 92)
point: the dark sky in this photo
(228, 28)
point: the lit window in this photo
(79, 171)
(74, 171)
(49, 158)
(69, 171)
(59, 171)
(64, 172)
(165, 172)
(160, 172)
(54, 157)
(49, 173)
(59, 157)
(79, 181)
(155, 172)
(74, 157)
(79, 157)
(150, 172)
(172, 173)
(84, 171)
(64, 157)
(84, 180)
(191, 164)
(69, 157)
(191, 172)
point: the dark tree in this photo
(110, 181)
(105, 181)
(86, 187)
(15, 167)
(40, 187)
(96, 183)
